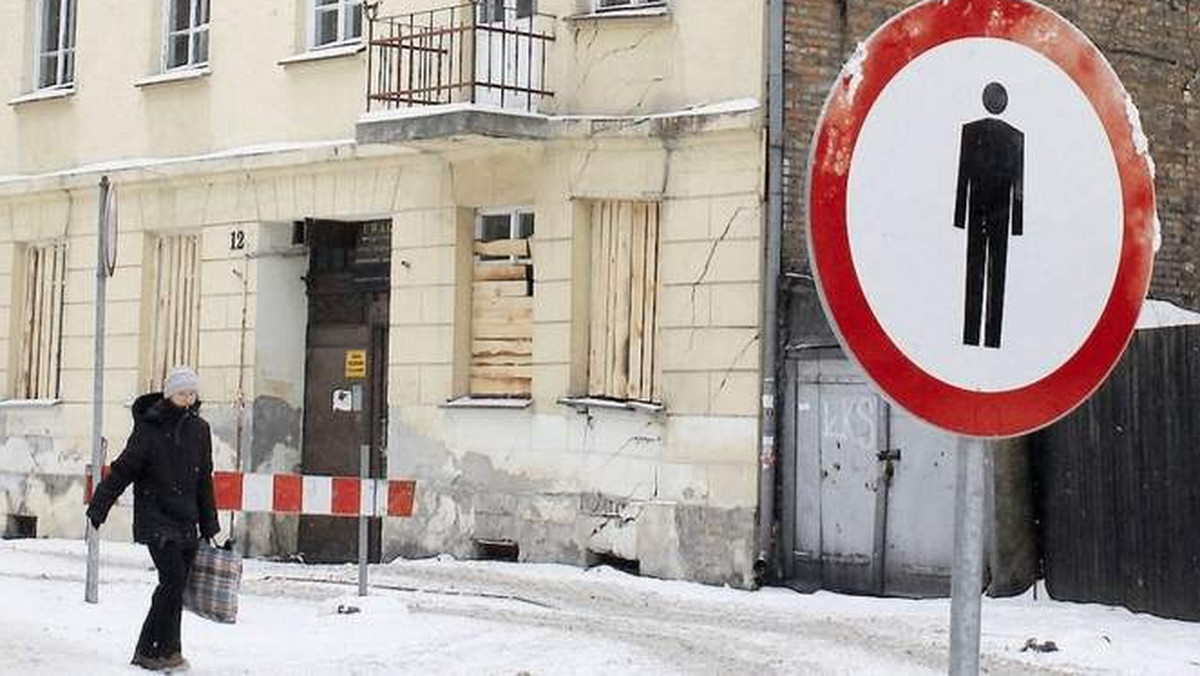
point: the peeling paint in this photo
(275, 436)
(1141, 142)
(852, 72)
(464, 495)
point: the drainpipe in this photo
(766, 559)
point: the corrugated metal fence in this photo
(1118, 484)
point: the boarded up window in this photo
(175, 319)
(41, 321)
(623, 359)
(502, 306)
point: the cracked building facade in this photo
(538, 284)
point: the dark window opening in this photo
(20, 527)
(631, 566)
(497, 550)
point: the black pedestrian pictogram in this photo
(989, 202)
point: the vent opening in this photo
(20, 527)
(631, 566)
(497, 550)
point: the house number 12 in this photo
(237, 240)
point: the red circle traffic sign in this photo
(960, 406)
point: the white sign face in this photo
(988, 286)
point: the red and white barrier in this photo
(297, 494)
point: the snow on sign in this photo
(981, 209)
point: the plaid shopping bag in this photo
(212, 588)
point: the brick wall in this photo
(1154, 46)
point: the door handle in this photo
(888, 455)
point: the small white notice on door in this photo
(343, 400)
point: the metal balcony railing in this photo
(480, 51)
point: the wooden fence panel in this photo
(1117, 484)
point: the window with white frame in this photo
(609, 5)
(43, 280)
(502, 305)
(498, 11)
(56, 44)
(187, 34)
(175, 316)
(336, 22)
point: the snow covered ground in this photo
(448, 617)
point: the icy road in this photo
(448, 617)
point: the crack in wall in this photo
(712, 252)
(584, 164)
(736, 359)
(608, 54)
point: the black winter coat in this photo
(168, 459)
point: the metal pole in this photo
(364, 472)
(766, 558)
(242, 463)
(92, 591)
(967, 579)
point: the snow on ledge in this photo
(1159, 314)
(147, 163)
(730, 107)
(635, 13)
(29, 403)
(443, 109)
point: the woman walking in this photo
(168, 459)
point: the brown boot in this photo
(176, 663)
(149, 663)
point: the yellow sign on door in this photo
(356, 363)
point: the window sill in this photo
(325, 53)
(654, 12)
(488, 402)
(585, 403)
(29, 403)
(178, 75)
(44, 95)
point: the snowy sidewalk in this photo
(448, 617)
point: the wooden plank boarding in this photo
(637, 316)
(500, 289)
(490, 272)
(505, 372)
(651, 364)
(622, 357)
(502, 320)
(614, 284)
(26, 322)
(513, 360)
(58, 282)
(501, 387)
(597, 330)
(517, 248)
(501, 347)
(502, 331)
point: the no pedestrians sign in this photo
(981, 212)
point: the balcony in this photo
(488, 56)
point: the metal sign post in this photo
(105, 262)
(967, 577)
(364, 472)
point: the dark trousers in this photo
(160, 631)
(987, 256)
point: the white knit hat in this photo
(180, 379)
